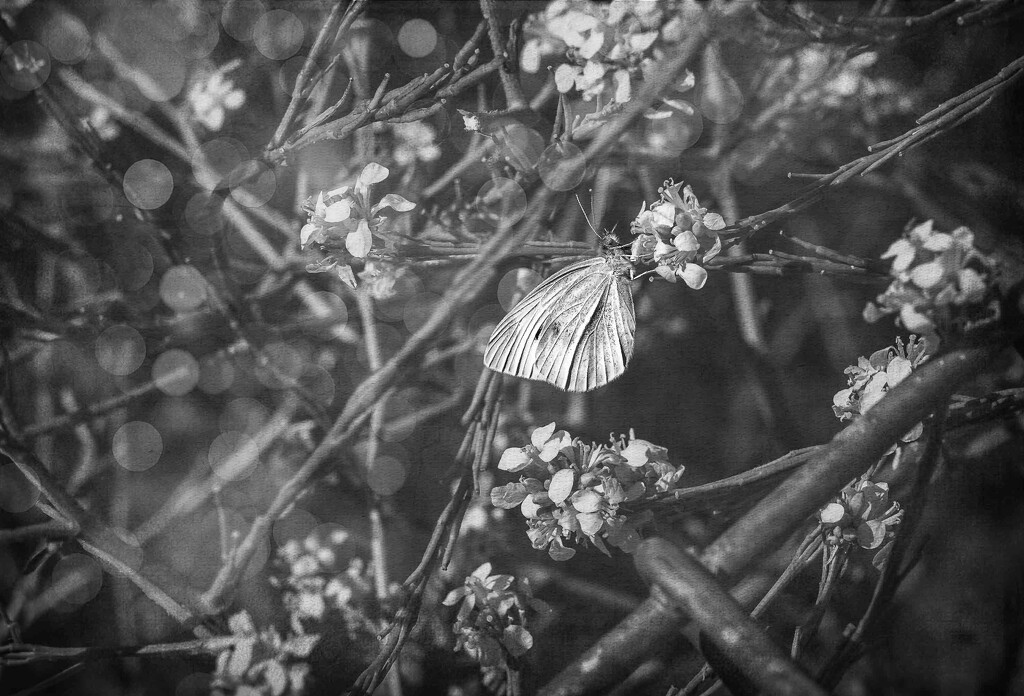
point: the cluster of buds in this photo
(607, 46)
(313, 583)
(941, 282)
(863, 515)
(677, 235)
(491, 622)
(572, 491)
(263, 662)
(349, 216)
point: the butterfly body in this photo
(574, 330)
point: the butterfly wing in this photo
(574, 330)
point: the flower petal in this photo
(693, 275)
(359, 242)
(395, 202)
(686, 241)
(372, 173)
(565, 77)
(514, 459)
(561, 485)
(336, 212)
(542, 435)
(307, 231)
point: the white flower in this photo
(211, 98)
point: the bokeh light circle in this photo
(514, 285)
(419, 308)
(216, 160)
(183, 288)
(297, 524)
(239, 18)
(278, 34)
(233, 456)
(674, 128)
(417, 38)
(318, 382)
(176, 372)
(17, 493)
(120, 350)
(25, 65)
(252, 183)
(387, 475)
(203, 215)
(280, 366)
(132, 264)
(148, 184)
(216, 374)
(722, 100)
(521, 145)
(137, 446)
(502, 201)
(77, 578)
(243, 414)
(66, 37)
(327, 310)
(562, 166)
(195, 684)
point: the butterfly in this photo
(574, 330)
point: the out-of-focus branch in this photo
(884, 29)
(774, 518)
(942, 118)
(114, 552)
(726, 629)
(334, 27)
(27, 653)
(514, 97)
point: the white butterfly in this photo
(574, 330)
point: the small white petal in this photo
(693, 275)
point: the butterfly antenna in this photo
(586, 217)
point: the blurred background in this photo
(150, 235)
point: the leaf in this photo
(561, 485)
(277, 678)
(517, 640)
(508, 496)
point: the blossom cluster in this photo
(861, 514)
(350, 215)
(262, 663)
(412, 142)
(606, 46)
(677, 235)
(941, 282)
(313, 585)
(212, 94)
(491, 622)
(571, 491)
